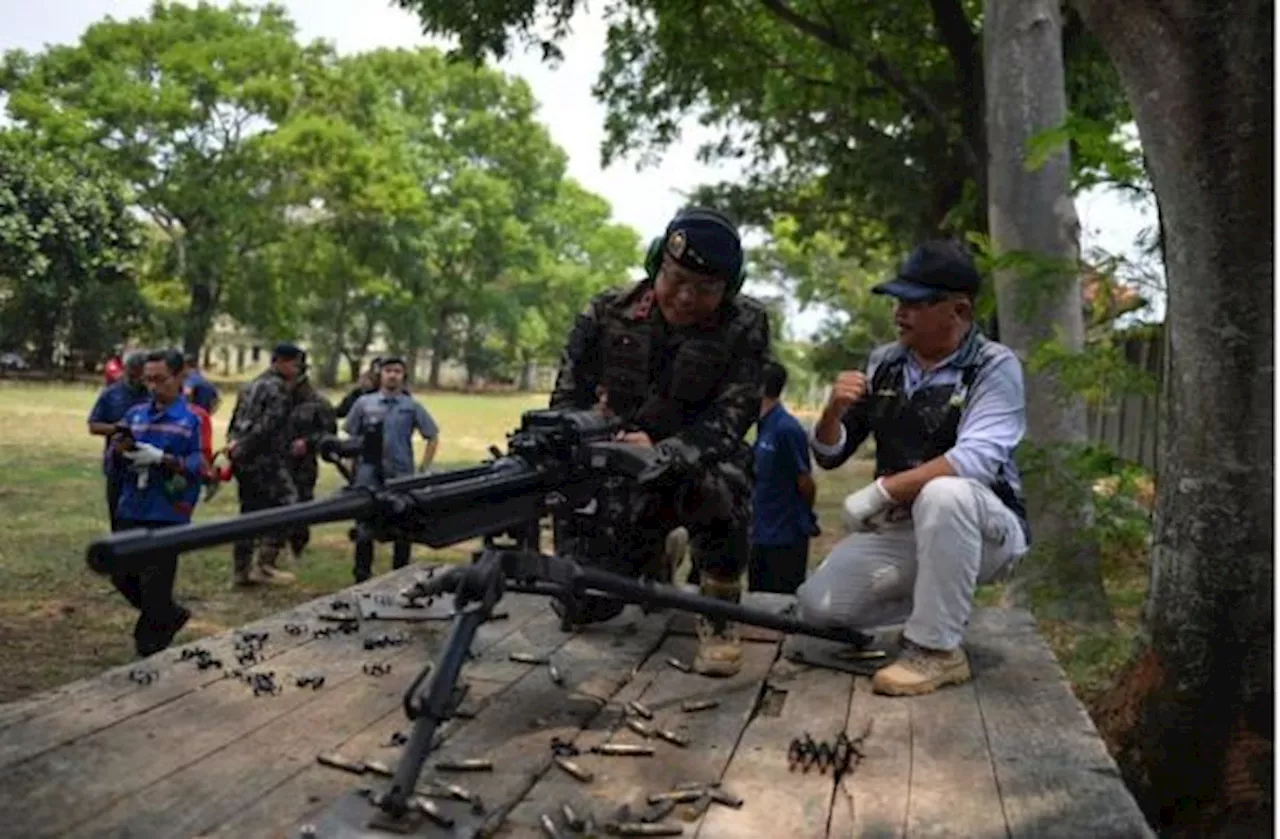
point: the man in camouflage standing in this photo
(259, 447)
(678, 358)
(311, 418)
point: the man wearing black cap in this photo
(945, 512)
(677, 357)
(259, 446)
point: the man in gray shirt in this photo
(400, 415)
(945, 512)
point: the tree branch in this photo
(875, 62)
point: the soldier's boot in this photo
(719, 645)
(919, 670)
(270, 572)
(243, 574)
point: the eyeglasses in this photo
(699, 288)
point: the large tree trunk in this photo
(1193, 721)
(439, 349)
(1031, 212)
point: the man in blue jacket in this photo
(160, 441)
(109, 409)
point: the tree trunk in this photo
(204, 297)
(354, 366)
(1193, 720)
(439, 347)
(1031, 212)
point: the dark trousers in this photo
(115, 485)
(305, 486)
(256, 494)
(363, 569)
(148, 586)
(778, 568)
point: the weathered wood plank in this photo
(953, 788)
(203, 795)
(815, 701)
(305, 795)
(713, 735)
(1055, 775)
(139, 751)
(872, 800)
(517, 732)
(94, 703)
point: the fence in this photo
(1129, 424)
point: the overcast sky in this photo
(643, 199)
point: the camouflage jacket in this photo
(311, 417)
(260, 423)
(699, 384)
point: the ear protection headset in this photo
(653, 257)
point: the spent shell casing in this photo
(622, 749)
(640, 728)
(335, 761)
(679, 665)
(699, 808)
(692, 705)
(683, 785)
(659, 811)
(377, 767)
(860, 655)
(549, 827)
(672, 737)
(681, 796)
(527, 658)
(575, 770)
(723, 796)
(556, 677)
(571, 817)
(428, 808)
(474, 765)
(642, 829)
(640, 710)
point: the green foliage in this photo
(178, 105)
(66, 245)
(871, 115)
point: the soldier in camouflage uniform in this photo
(678, 357)
(311, 418)
(259, 446)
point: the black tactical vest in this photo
(660, 379)
(913, 430)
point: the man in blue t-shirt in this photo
(113, 402)
(160, 441)
(784, 493)
(196, 388)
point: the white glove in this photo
(867, 503)
(145, 454)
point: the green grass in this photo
(59, 622)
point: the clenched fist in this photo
(849, 387)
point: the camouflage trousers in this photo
(261, 487)
(304, 473)
(626, 530)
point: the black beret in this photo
(705, 241)
(286, 351)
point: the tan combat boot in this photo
(719, 650)
(919, 670)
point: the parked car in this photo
(13, 361)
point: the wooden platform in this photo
(195, 753)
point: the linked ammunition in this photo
(696, 785)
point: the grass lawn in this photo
(60, 622)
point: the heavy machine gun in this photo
(557, 464)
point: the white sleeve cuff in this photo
(823, 449)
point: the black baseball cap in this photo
(286, 351)
(931, 269)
